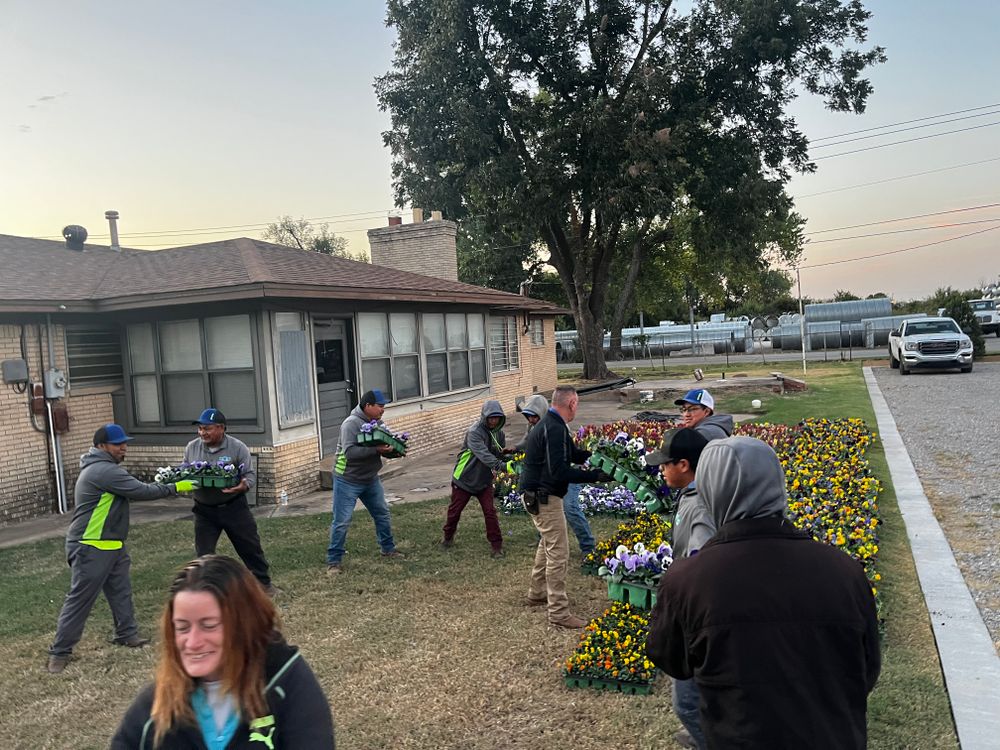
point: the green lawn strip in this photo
(403, 648)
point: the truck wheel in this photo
(967, 369)
(903, 370)
(893, 362)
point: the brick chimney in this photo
(425, 247)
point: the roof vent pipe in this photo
(112, 217)
(75, 236)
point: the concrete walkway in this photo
(968, 658)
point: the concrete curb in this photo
(969, 660)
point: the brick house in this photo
(281, 340)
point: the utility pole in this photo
(802, 320)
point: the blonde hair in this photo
(249, 622)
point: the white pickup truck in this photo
(988, 315)
(929, 342)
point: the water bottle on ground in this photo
(283, 499)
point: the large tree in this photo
(301, 233)
(592, 125)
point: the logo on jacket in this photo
(257, 736)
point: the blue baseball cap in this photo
(111, 433)
(374, 396)
(211, 416)
(698, 397)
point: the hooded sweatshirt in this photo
(357, 464)
(100, 497)
(481, 451)
(536, 405)
(716, 426)
(741, 477)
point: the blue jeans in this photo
(685, 702)
(577, 521)
(372, 496)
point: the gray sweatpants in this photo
(93, 571)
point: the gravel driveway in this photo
(950, 424)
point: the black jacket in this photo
(547, 458)
(778, 631)
(298, 706)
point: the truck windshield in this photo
(983, 305)
(931, 326)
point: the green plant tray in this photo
(221, 482)
(619, 474)
(639, 596)
(381, 437)
(614, 686)
(656, 505)
(632, 482)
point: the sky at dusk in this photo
(201, 121)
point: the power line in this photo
(905, 122)
(905, 218)
(904, 231)
(903, 130)
(900, 177)
(357, 216)
(902, 250)
(907, 140)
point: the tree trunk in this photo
(592, 346)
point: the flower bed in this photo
(612, 652)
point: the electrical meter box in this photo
(55, 384)
(15, 371)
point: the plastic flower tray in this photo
(615, 686)
(633, 482)
(636, 594)
(216, 481)
(655, 505)
(620, 474)
(381, 437)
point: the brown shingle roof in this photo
(40, 274)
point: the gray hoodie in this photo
(481, 451)
(536, 405)
(716, 426)
(741, 477)
(357, 464)
(101, 495)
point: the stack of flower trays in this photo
(611, 654)
(643, 492)
(373, 434)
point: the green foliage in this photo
(594, 127)
(494, 259)
(843, 295)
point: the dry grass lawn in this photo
(436, 651)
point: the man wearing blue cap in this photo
(698, 412)
(95, 543)
(355, 477)
(226, 510)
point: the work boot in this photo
(570, 622)
(333, 569)
(394, 554)
(530, 601)
(497, 554)
(447, 543)
(133, 641)
(57, 663)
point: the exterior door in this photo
(333, 378)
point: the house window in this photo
(180, 367)
(94, 355)
(292, 373)
(536, 331)
(504, 353)
(401, 352)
